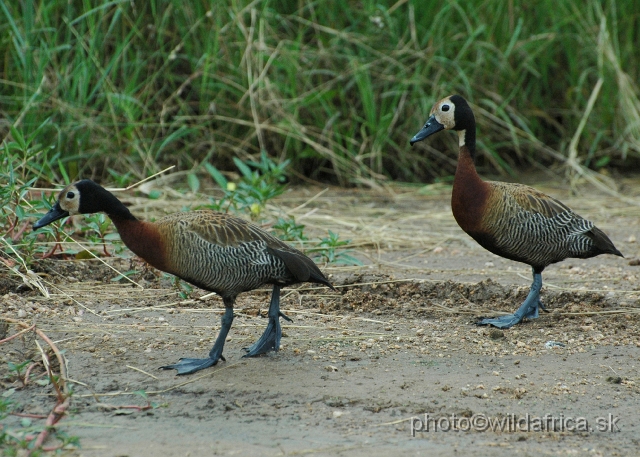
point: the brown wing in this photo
(534, 201)
(529, 226)
(226, 230)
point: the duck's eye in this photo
(70, 195)
(445, 108)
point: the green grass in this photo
(120, 89)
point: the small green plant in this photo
(259, 182)
(184, 288)
(289, 230)
(17, 371)
(333, 250)
(98, 230)
(123, 275)
(13, 204)
(150, 404)
(13, 193)
(7, 437)
(7, 405)
(67, 441)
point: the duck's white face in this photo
(443, 111)
(69, 199)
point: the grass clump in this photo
(18, 173)
(120, 87)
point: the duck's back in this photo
(229, 255)
(526, 225)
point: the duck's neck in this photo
(98, 199)
(466, 169)
(121, 212)
(142, 238)
(469, 191)
(467, 137)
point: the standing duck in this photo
(511, 220)
(217, 252)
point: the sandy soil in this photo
(395, 342)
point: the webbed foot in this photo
(188, 366)
(529, 309)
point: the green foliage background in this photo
(124, 88)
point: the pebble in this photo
(554, 344)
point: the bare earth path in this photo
(361, 367)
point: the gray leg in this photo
(270, 339)
(188, 366)
(528, 309)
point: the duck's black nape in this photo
(95, 199)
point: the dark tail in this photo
(603, 245)
(318, 277)
(302, 267)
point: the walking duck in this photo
(514, 221)
(217, 252)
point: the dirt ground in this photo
(359, 367)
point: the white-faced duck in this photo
(514, 221)
(217, 252)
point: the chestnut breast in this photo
(471, 195)
(146, 241)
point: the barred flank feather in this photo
(229, 255)
(531, 227)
